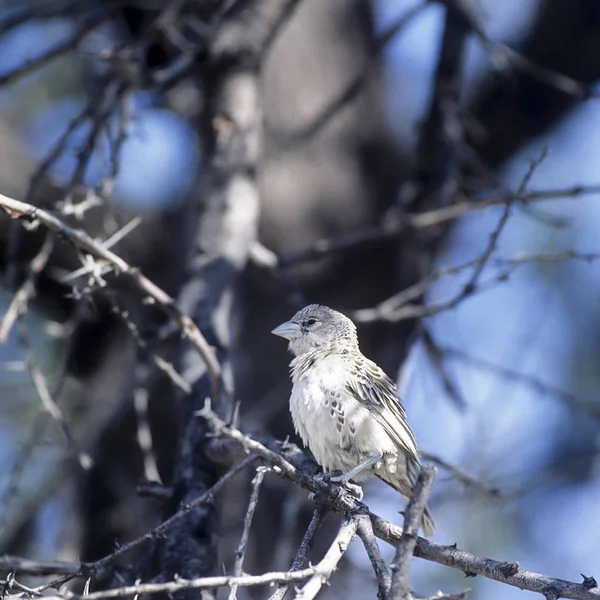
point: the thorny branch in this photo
(89, 569)
(240, 555)
(361, 521)
(406, 546)
(82, 241)
(42, 389)
(305, 546)
(343, 502)
(294, 465)
(319, 572)
(332, 557)
(384, 581)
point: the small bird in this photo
(345, 408)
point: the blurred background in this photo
(366, 113)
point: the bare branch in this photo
(504, 57)
(453, 596)
(508, 265)
(238, 568)
(365, 531)
(42, 389)
(37, 567)
(170, 587)
(81, 240)
(351, 90)
(305, 546)
(464, 478)
(338, 548)
(535, 383)
(296, 469)
(144, 432)
(441, 136)
(406, 546)
(18, 305)
(94, 567)
(393, 227)
(14, 477)
(144, 347)
(491, 246)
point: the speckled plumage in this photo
(344, 407)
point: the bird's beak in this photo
(288, 330)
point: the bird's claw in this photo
(355, 489)
(341, 480)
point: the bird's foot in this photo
(355, 489)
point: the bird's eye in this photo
(310, 322)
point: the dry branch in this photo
(82, 241)
(297, 470)
(391, 228)
(305, 546)
(384, 581)
(330, 561)
(406, 546)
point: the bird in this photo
(345, 408)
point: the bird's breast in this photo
(339, 430)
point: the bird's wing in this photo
(376, 391)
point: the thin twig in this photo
(144, 348)
(491, 246)
(503, 56)
(352, 89)
(464, 478)
(56, 9)
(406, 546)
(306, 545)
(451, 596)
(94, 567)
(336, 551)
(437, 360)
(42, 390)
(23, 456)
(37, 567)
(238, 569)
(89, 111)
(82, 241)
(318, 574)
(171, 587)
(509, 265)
(392, 228)
(385, 311)
(26, 292)
(144, 431)
(384, 580)
(569, 398)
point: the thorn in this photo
(589, 582)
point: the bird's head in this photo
(317, 326)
